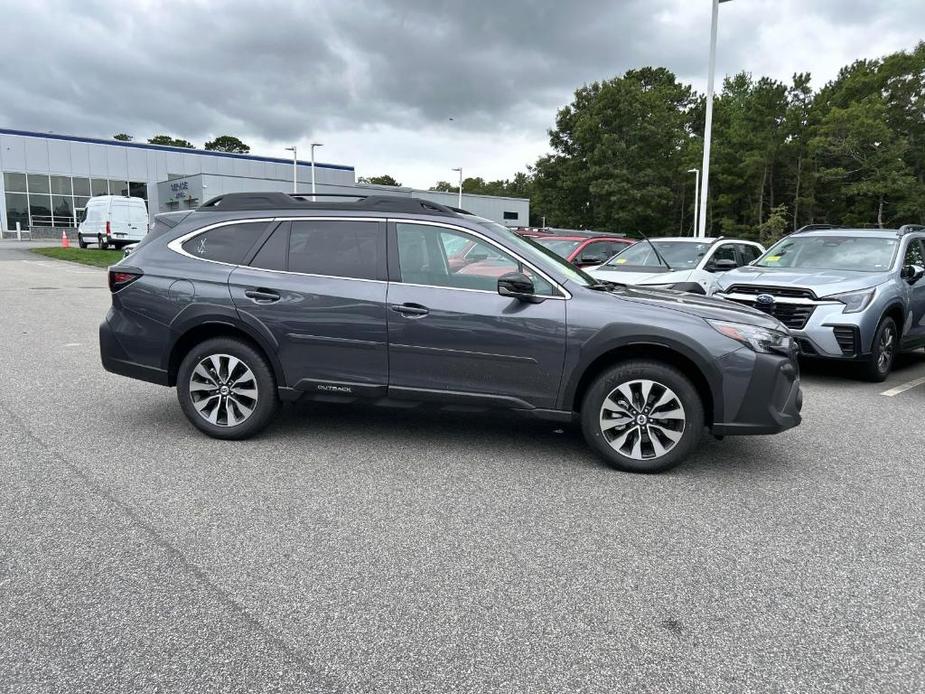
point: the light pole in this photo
(696, 199)
(295, 170)
(708, 126)
(460, 186)
(314, 144)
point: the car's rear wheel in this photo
(642, 416)
(882, 351)
(226, 388)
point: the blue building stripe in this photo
(165, 148)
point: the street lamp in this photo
(295, 171)
(460, 186)
(314, 144)
(708, 126)
(696, 198)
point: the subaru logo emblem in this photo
(764, 299)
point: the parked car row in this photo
(254, 299)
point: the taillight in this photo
(120, 279)
(108, 230)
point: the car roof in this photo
(572, 237)
(870, 233)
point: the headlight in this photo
(854, 302)
(759, 339)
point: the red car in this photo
(584, 250)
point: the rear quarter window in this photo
(225, 244)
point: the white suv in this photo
(683, 263)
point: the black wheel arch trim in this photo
(607, 341)
(199, 316)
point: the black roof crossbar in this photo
(342, 201)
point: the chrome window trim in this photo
(177, 247)
(177, 244)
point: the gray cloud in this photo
(281, 71)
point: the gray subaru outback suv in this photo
(851, 294)
(255, 299)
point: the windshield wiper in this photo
(605, 286)
(657, 254)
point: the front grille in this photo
(847, 338)
(794, 316)
(789, 292)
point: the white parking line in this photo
(903, 387)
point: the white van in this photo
(113, 220)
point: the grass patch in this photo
(86, 256)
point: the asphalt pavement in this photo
(360, 550)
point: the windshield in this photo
(679, 254)
(530, 249)
(865, 254)
(561, 246)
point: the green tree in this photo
(384, 180)
(444, 187)
(170, 141)
(618, 154)
(122, 137)
(772, 229)
(863, 157)
(227, 143)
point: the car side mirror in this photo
(912, 273)
(590, 259)
(723, 265)
(516, 285)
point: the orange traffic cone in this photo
(64, 241)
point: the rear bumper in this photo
(117, 361)
(771, 403)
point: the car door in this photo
(915, 327)
(318, 287)
(450, 332)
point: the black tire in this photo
(264, 404)
(103, 242)
(688, 420)
(80, 241)
(883, 350)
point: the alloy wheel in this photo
(887, 347)
(223, 390)
(642, 419)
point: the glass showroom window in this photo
(118, 188)
(99, 186)
(17, 210)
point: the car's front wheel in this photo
(226, 388)
(642, 416)
(80, 241)
(882, 351)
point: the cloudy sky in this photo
(407, 87)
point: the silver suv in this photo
(852, 294)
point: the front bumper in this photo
(771, 401)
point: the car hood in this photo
(822, 282)
(698, 305)
(662, 276)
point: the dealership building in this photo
(48, 178)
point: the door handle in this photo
(262, 296)
(410, 309)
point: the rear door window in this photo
(225, 244)
(338, 249)
(274, 254)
